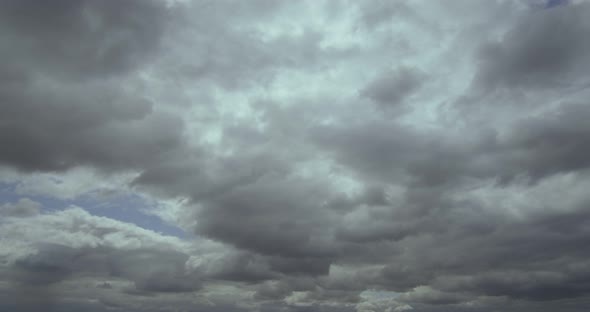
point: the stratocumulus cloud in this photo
(333, 155)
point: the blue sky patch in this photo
(129, 208)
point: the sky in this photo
(294, 156)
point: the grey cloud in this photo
(311, 198)
(535, 147)
(429, 226)
(60, 139)
(273, 290)
(546, 49)
(157, 271)
(52, 254)
(79, 39)
(24, 207)
(217, 63)
(388, 151)
(374, 14)
(391, 88)
(555, 142)
(266, 216)
(428, 213)
(52, 263)
(532, 271)
(71, 60)
(242, 267)
(376, 149)
(427, 295)
(215, 50)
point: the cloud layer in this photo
(335, 155)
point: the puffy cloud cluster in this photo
(330, 155)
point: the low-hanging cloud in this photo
(264, 130)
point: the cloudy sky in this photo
(294, 156)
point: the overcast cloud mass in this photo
(295, 156)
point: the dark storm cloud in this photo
(268, 217)
(253, 268)
(50, 265)
(387, 151)
(519, 260)
(447, 241)
(546, 49)
(62, 103)
(242, 267)
(77, 130)
(155, 270)
(273, 290)
(70, 39)
(391, 88)
(535, 147)
(423, 234)
(443, 237)
(317, 200)
(555, 142)
(150, 270)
